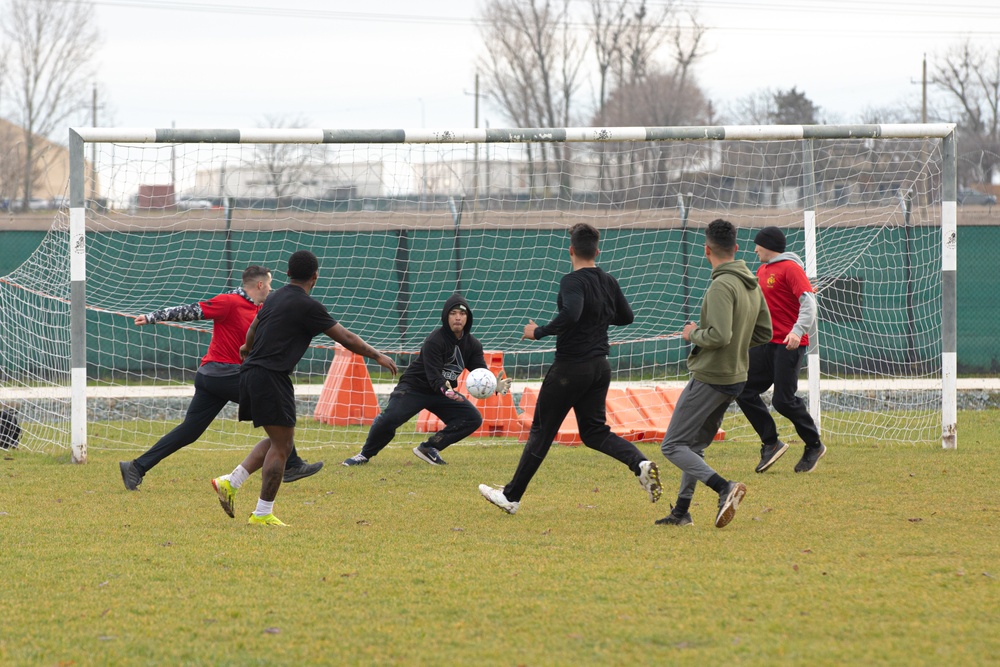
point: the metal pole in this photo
(809, 224)
(93, 149)
(949, 293)
(911, 346)
(77, 298)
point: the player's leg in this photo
(786, 402)
(461, 419)
(273, 464)
(591, 416)
(403, 404)
(591, 419)
(696, 419)
(555, 398)
(210, 395)
(760, 377)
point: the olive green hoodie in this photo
(734, 318)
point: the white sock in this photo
(264, 507)
(238, 476)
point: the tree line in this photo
(545, 63)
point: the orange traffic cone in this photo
(348, 397)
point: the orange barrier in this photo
(657, 404)
(638, 414)
(348, 397)
(628, 421)
(499, 414)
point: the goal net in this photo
(400, 220)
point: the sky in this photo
(411, 64)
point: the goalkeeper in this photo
(428, 383)
(218, 379)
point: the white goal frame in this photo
(81, 136)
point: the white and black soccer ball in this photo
(481, 383)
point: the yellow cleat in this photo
(266, 520)
(227, 495)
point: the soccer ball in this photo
(481, 383)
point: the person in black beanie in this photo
(792, 305)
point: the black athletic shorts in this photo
(267, 397)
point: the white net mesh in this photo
(399, 227)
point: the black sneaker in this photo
(430, 455)
(130, 475)
(356, 460)
(301, 471)
(729, 502)
(674, 519)
(769, 454)
(810, 457)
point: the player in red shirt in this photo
(792, 305)
(218, 379)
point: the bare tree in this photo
(969, 77)
(284, 165)
(531, 67)
(635, 88)
(53, 43)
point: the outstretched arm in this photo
(355, 344)
(188, 313)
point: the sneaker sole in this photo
(821, 455)
(728, 510)
(227, 506)
(761, 467)
(654, 489)
(423, 457)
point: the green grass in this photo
(888, 554)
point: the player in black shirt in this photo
(276, 341)
(428, 383)
(589, 301)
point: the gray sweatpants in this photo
(696, 419)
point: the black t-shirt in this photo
(286, 324)
(589, 301)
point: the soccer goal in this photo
(400, 219)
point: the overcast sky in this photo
(412, 63)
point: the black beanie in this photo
(771, 238)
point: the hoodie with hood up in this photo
(442, 356)
(734, 318)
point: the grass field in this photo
(888, 554)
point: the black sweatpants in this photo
(211, 393)
(775, 364)
(461, 419)
(582, 386)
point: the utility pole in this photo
(923, 107)
(475, 148)
(173, 165)
(93, 151)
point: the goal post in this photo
(871, 209)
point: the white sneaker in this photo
(649, 477)
(497, 497)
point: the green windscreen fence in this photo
(403, 277)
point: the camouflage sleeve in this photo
(188, 313)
